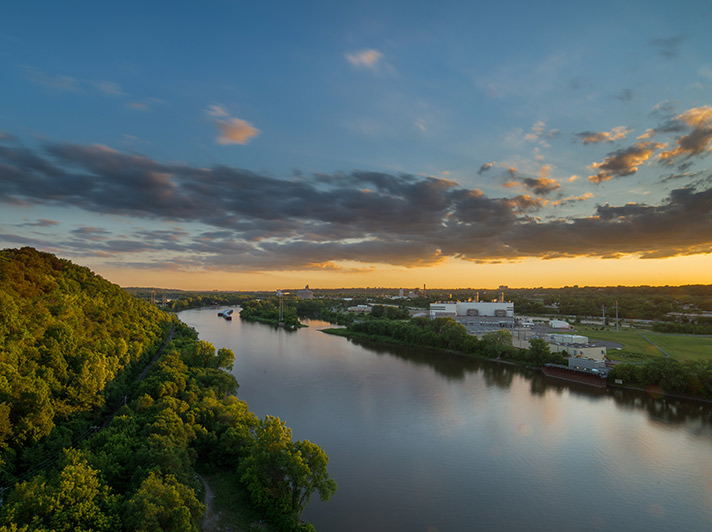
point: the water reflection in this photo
(418, 438)
(501, 375)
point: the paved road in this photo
(667, 355)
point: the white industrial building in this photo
(456, 309)
(478, 317)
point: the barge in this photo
(590, 377)
(227, 314)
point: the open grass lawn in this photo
(641, 344)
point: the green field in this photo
(641, 344)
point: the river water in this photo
(421, 441)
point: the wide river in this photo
(419, 441)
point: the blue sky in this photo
(358, 143)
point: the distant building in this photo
(365, 309)
(576, 346)
(478, 317)
(306, 293)
(559, 324)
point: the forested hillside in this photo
(72, 348)
(65, 333)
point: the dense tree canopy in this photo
(72, 347)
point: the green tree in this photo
(162, 504)
(281, 475)
(73, 499)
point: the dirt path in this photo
(210, 517)
(140, 377)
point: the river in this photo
(421, 441)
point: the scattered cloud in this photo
(369, 58)
(541, 185)
(256, 222)
(571, 199)
(698, 141)
(667, 47)
(42, 222)
(484, 168)
(109, 87)
(216, 110)
(235, 131)
(58, 82)
(624, 162)
(145, 104)
(232, 130)
(626, 95)
(597, 137)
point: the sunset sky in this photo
(262, 145)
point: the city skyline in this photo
(263, 146)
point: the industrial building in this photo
(478, 317)
(306, 293)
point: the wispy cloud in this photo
(58, 82)
(369, 58)
(109, 87)
(597, 137)
(232, 130)
(667, 47)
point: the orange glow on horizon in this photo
(450, 273)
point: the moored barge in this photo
(591, 377)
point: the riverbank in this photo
(276, 323)
(652, 391)
(347, 333)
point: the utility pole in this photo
(616, 316)
(281, 307)
(604, 314)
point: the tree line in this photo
(61, 472)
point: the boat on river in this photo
(227, 314)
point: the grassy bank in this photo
(647, 345)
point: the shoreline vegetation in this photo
(642, 367)
(691, 381)
(72, 347)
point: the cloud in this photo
(369, 58)
(624, 162)
(216, 110)
(109, 87)
(253, 222)
(541, 185)
(57, 82)
(596, 137)
(235, 131)
(667, 47)
(698, 141)
(90, 233)
(42, 222)
(626, 95)
(571, 199)
(144, 104)
(484, 168)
